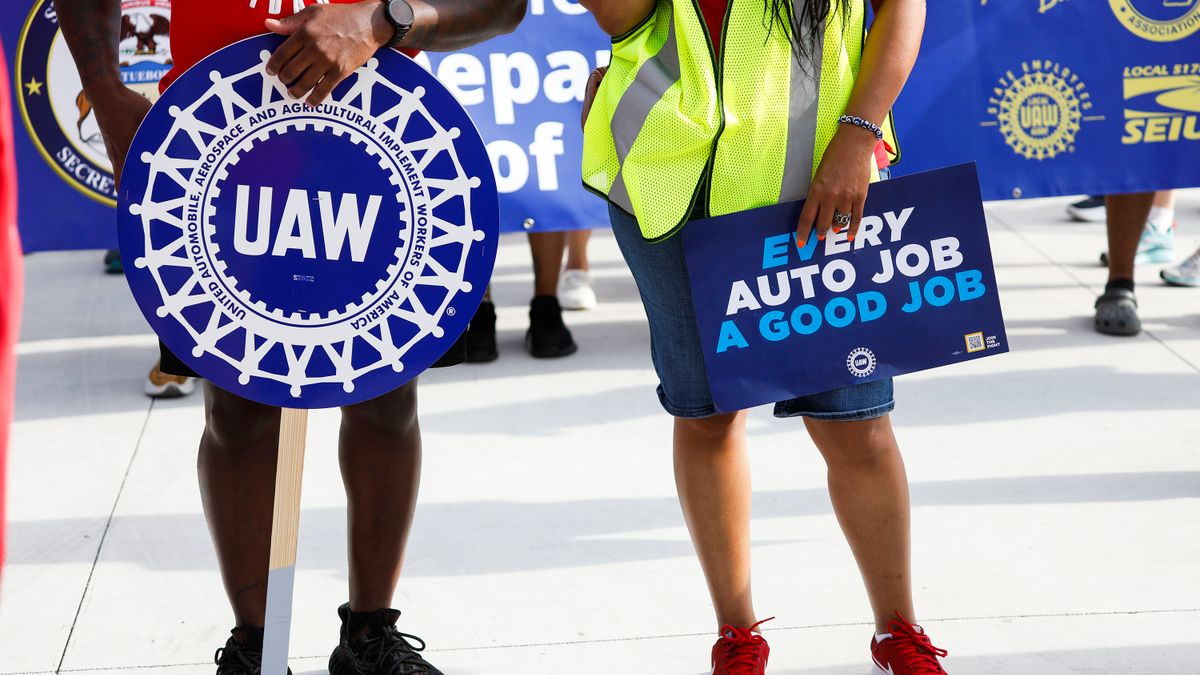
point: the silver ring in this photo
(841, 218)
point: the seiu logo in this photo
(345, 227)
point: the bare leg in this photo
(236, 466)
(547, 249)
(1127, 216)
(577, 252)
(869, 490)
(1165, 199)
(712, 476)
(380, 455)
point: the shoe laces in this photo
(393, 653)
(739, 648)
(1192, 263)
(237, 659)
(574, 279)
(911, 643)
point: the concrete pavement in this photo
(1056, 495)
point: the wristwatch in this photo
(400, 14)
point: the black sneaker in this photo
(242, 653)
(383, 651)
(481, 335)
(1090, 210)
(548, 336)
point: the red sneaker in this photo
(740, 651)
(906, 651)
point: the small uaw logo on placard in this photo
(307, 256)
(861, 362)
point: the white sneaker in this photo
(575, 290)
(162, 385)
(1186, 273)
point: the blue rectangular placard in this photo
(914, 290)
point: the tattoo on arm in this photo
(92, 29)
(447, 25)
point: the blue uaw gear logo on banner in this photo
(1040, 110)
(58, 115)
(301, 256)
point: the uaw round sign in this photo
(307, 256)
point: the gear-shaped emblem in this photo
(861, 362)
(1039, 110)
(307, 256)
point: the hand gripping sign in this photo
(915, 290)
(306, 257)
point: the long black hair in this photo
(802, 26)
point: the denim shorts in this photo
(660, 271)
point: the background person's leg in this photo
(869, 491)
(380, 454)
(577, 249)
(236, 465)
(548, 336)
(575, 287)
(1165, 199)
(1116, 309)
(1127, 216)
(547, 249)
(712, 476)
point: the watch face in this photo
(400, 12)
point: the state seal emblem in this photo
(56, 112)
(307, 256)
(1040, 109)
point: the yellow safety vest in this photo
(671, 125)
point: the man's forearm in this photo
(447, 25)
(92, 29)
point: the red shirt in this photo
(714, 16)
(199, 28)
(10, 278)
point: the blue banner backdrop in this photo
(525, 92)
(1049, 97)
(1057, 97)
(914, 290)
(67, 192)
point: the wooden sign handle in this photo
(285, 529)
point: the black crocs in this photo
(1116, 313)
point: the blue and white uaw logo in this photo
(57, 114)
(301, 256)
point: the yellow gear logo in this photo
(1039, 110)
(1158, 20)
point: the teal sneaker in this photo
(1186, 273)
(1156, 246)
(112, 262)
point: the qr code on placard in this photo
(974, 342)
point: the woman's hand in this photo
(326, 43)
(840, 184)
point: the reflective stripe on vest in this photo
(663, 132)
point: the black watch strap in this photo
(400, 15)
